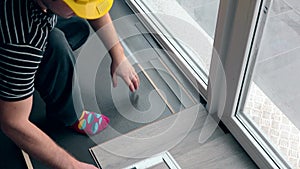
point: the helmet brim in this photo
(93, 9)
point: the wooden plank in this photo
(27, 160)
(157, 89)
(184, 96)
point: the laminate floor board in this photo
(219, 151)
(148, 140)
(238, 161)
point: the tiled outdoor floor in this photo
(274, 124)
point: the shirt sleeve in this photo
(18, 65)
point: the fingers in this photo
(138, 81)
(127, 73)
(133, 82)
(114, 80)
(131, 87)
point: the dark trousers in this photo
(56, 79)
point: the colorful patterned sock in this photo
(90, 123)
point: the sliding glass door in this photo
(270, 103)
(257, 48)
(242, 56)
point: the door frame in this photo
(238, 35)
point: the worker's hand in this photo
(82, 165)
(121, 67)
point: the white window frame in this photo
(238, 34)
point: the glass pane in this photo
(272, 104)
(194, 21)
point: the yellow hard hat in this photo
(90, 9)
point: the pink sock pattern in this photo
(91, 123)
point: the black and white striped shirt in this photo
(24, 29)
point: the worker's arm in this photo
(14, 121)
(120, 65)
